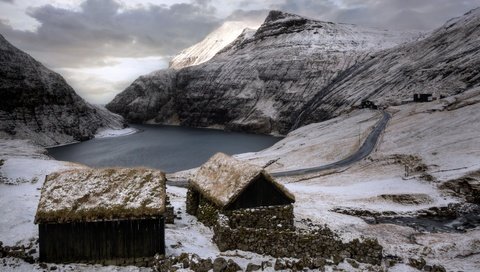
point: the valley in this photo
(326, 108)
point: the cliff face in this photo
(261, 81)
(37, 104)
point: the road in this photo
(365, 150)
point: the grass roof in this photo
(101, 194)
(223, 178)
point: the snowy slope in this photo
(444, 63)
(442, 134)
(437, 139)
(214, 42)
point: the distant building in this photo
(244, 192)
(424, 97)
(108, 216)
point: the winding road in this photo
(365, 150)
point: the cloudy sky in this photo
(100, 46)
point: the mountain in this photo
(36, 103)
(214, 42)
(261, 81)
(445, 63)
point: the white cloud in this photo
(99, 84)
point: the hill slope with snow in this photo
(445, 63)
(259, 81)
(209, 47)
(36, 103)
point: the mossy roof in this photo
(223, 178)
(84, 195)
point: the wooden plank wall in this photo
(106, 242)
(259, 193)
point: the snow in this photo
(317, 144)
(109, 193)
(210, 45)
(24, 168)
(223, 177)
(442, 134)
(108, 133)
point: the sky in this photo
(101, 46)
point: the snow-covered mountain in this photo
(444, 63)
(214, 42)
(259, 81)
(36, 103)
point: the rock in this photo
(280, 265)
(202, 265)
(407, 199)
(53, 267)
(232, 266)
(318, 263)
(353, 263)
(32, 251)
(438, 268)
(43, 265)
(253, 267)
(219, 264)
(417, 263)
(36, 103)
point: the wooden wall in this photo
(259, 193)
(107, 242)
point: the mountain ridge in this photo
(38, 104)
(292, 71)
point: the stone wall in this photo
(273, 217)
(192, 201)
(169, 211)
(318, 242)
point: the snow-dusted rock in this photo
(258, 82)
(37, 104)
(445, 63)
(214, 42)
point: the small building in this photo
(423, 97)
(108, 216)
(367, 104)
(244, 192)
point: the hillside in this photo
(259, 82)
(36, 103)
(209, 47)
(445, 63)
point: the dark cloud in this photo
(102, 28)
(391, 14)
(7, 1)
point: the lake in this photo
(169, 148)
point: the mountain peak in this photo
(278, 15)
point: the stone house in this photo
(108, 216)
(246, 193)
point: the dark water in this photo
(167, 148)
